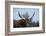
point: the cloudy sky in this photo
(30, 11)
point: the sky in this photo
(22, 11)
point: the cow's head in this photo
(26, 17)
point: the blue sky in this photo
(30, 11)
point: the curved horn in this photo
(19, 15)
(32, 16)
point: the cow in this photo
(24, 21)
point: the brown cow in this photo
(23, 22)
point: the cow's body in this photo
(19, 23)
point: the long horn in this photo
(32, 16)
(19, 15)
